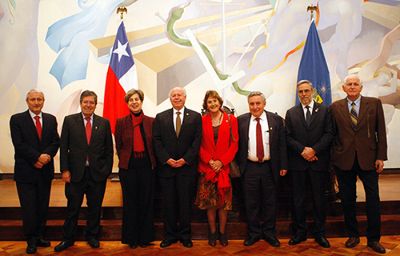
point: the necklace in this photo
(217, 121)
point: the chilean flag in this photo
(121, 77)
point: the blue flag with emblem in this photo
(313, 67)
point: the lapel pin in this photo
(95, 127)
(187, 114)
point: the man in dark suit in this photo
(359, 149)
(36, 141)
(86, 159)
(176, 138)
(262, 160)
(309, 135)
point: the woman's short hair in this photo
(131, 92)
(212, 94)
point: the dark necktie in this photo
(259, 141)
(178, 123)
(308, 115)
(88, 130)
(38, 127)
(353, 114)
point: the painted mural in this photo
(63, 47)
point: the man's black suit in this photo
(265, 197)
(318, 135)
(33, 184)
(177, 184)
(75, 153)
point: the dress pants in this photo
(74, 191)
(301, 182)
(34, 199)
(177, 193)
(259, 195)
(347, 188)
(138, 197)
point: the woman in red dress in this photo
(218, 148)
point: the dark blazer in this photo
(318, 135)
(28, 147)
(186, 146)
(368, 139)
(124, 139)
(74, 149)
(277, 142)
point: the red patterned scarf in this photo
(138, 144)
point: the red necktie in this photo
(88, 130)
(259, 139)
(38, 127)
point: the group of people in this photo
(179, 145)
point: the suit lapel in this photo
(185, 120)
(362, 113)
(314, 112)
(300, 114)
(80, 125)
(271, 124)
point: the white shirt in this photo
(305, 109)
(33, 118)
(84, 120)
(182, 110)
(252, 153)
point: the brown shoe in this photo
(376, 246)
(352, 242)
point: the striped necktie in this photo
(353, 114)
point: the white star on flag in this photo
(121, 50)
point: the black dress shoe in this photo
(167, 242)
(376, 246)
(250, 241)
(322, 241)
(40, 242)
(93, 242)
(144, 245)
(31, 248)
(297, 239)
(352, 242)
(63, 245)
(133, 246)
(272, 240)
(187, 243)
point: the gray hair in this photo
(177, 88)
(352, 76)
(33, 91)
(304, 81)
(257, 93)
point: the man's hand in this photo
(379, 166)
(283, 172)
(171, 162)
(38, 165)
(180, 162)
(44, 158)
(66, 176)
(309, 154)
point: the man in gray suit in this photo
(176, 139)
(86, 158)
(309, 136)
